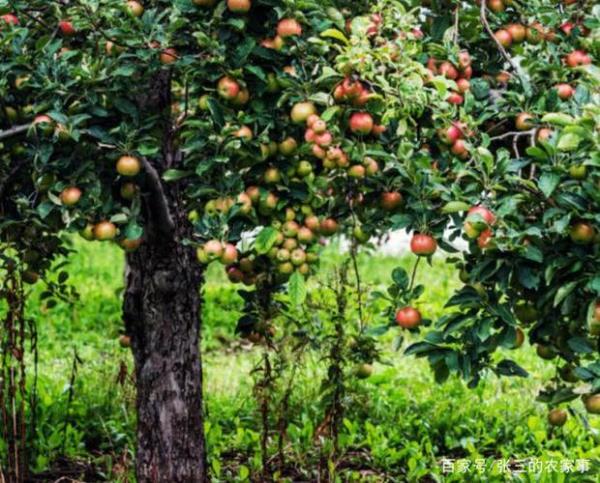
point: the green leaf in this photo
(506, 367)
(400, 278)
(335, 34)
(548, 183)
(297, 288)
(265, 240)
(455, 207)
(563, 292)
(216, 112)
(133, 231)
(568, 142)
(580, 345)
(558, 118)
(175, 174)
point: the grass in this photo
(398, 424)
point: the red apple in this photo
(66, 28)
(503, 37)
(361, 123)
(288, 27)
(70, 196)
(228, 88)
(408, 318)
(239, 6)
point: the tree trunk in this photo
(162, 316)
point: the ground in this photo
(399, 424)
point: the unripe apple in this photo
(545, 352)
(298, 257)
(254, 193)
(105, 230)
(578, 171)
(130, 245)
(304, 168)
(319, 126)
(285, 268)
(312, 223)
(304, 269)
(535, 33)
(283, 255)
(272, 176)
(135, 8)
(245, 203)
(582, 233)
(128, 166)
(290, 228)
(244, 132)
(70, 196)
(302, 111)
(88, 232)
(557, 417)
(246, 265)
(242, 98)
(213, 249)
(124, 341)
(290, 244)
(372, 167)
(305, 235)
(288, 146)
(592, 404)
(523, 121)
(357, 171)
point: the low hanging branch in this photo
(501, 48)
(14, 131)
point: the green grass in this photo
(398, 424)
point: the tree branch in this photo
(158, 200)
(515, 134)
(501, 48)
(13, 131)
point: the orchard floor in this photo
(398, 426)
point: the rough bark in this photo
(162, 316)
